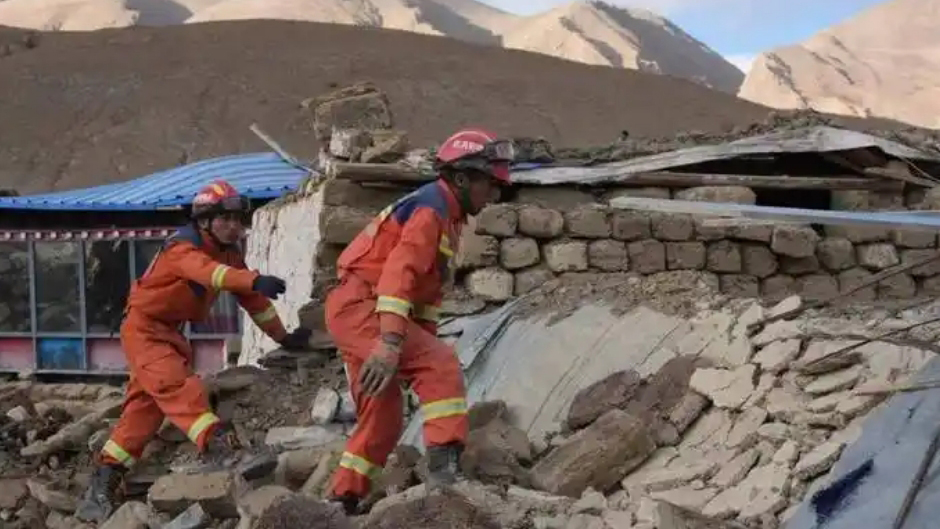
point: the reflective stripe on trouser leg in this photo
(360, 465)
(115, 452)
(200, 425)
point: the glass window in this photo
(144, 252)
(223, 318)
(107, 283)
(14, 287)
(57, 287)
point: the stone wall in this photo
(284, 241)
(511, 248)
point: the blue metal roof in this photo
(259, 175)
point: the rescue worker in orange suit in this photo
(382, 315)
(181, 284)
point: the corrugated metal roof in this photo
(259, 175)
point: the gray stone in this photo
(819, 460)
(685, 255)
(724, 256)
(476, 251)
(566, 256)
(608, 255)
(590, 222)
(518, 252)
(195, 517)
(794, 240)
(877, 256)
(726, 388)
(530, 279)
(647, 256)
(930, 269)
(217, 492)
(853, 278)
(591, 502)
(739, 285)
(757, 260)
(325, 405)
(132, 515)
(798, 266)
(749, 230)
(629, 225)
(662, 193)
(901, 286)
(293, 437)
(540, 223)
(498, 219)
(732, 473)
(777, 356)
(858, 233)
(731, 194)
(914, 238)
(672, 227)
(777, 287)
(492, 284)
(341, 224)
(836, 381)
(817, 287)
(743, 434)
(836, 253)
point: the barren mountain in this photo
(585, 31)
(883, 62)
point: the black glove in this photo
(297, 340)
(270, 286)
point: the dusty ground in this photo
(84, 109)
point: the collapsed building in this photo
(627, 368)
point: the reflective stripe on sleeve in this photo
(265, 316)
(218, 276)
(394, 305)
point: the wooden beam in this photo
(377, 172)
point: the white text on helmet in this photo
(467, 145)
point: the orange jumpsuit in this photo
(180, 285)
(391, 277)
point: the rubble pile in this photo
(734, 429)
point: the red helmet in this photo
(479, 150)
(218, 197)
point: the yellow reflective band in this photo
(204, 421)
(360, 465)
(218, 276)
(444, 247)
(114, 450)
(444, 408)
(394, 305)
(428, 313)
(264, 316)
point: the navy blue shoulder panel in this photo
(429, 195)
(187, 234)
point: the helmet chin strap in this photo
(215, 240)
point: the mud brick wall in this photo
(511, 248)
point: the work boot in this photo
(443, 465)
(349, 503)
(103, 495)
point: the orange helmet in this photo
(216, 198)
(478, 150)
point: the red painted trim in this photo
(95, 235)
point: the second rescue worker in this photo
(383, 314)
(182, 283)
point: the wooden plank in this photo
(377, 172)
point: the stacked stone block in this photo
(512, 248)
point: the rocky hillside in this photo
(585, 31)
(883, 62)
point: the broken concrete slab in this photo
(687, 497)
(325, 406)
(688, 410)
(217, 492)
(736, 470)
(195, 517)
(818, 460)
(763, 491)
(598, 456)
(52, 494)
(132, 515)
(743, 434)
(725, 388)
(253, 504)
(835, 381)
(676, 477)
(776, 356)
(294, 437)
(591, 502)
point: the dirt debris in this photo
(683, 292)
(436, 511)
